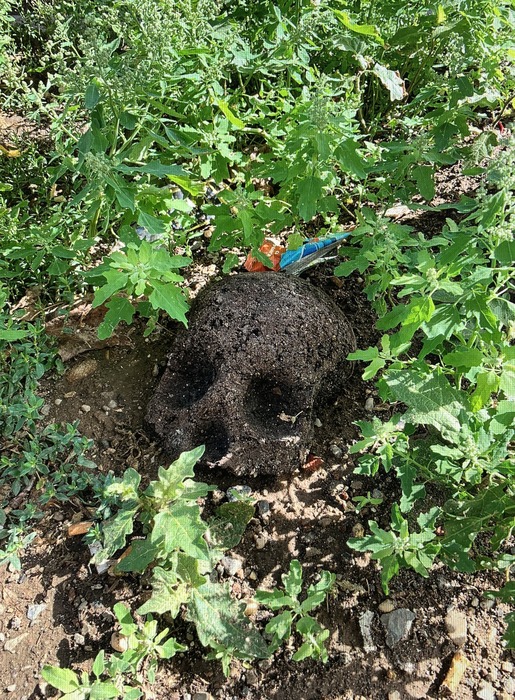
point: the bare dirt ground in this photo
(311, 517)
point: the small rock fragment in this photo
(260, 541)
(11, 688)
(252, 677)
(387, 606)
(251, 608)
(45, 410)
(369, 404)
(11, 644)
(202, 696)
(394, 695)
(365, 622)
(358, 530)
(336, 451)
(58, 402)
(79, 639)
(119, 642)
(456, 625)
(397, 625)
(263, 507)
(317, 422)
(485, 691)
(85, 408)
(34, 610)
(454, 676)
(231, 565)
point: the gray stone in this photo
(263, 351)
(263, 507)
(397, 625)
(365, 626)
(231, 565)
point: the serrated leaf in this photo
(430, 399)
(115, 532)
(181, 527)
(172, 482)
(292, 581)
(230, 523)
(168, 594)
(171, 299)
(120, 309)
(141, 554)
(115, 280)
(219, 620)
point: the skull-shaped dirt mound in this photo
(262, 351)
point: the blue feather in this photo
(295, 261)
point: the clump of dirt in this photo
(261, 350)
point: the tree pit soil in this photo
(311, 516)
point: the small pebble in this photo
(358, 530)
(488, 603)
(485, 691)
(11, 688)
(386, 606)
(369, 404)
(507, 666)
(79, 639)
(202, 696)
(81, 371)
(318, 423)
(231, 565)
(85, 408)
(58, 402)
(45, 410)
(474, 602)
(394, 695)
(260, 541)
(112, 404)
(397, 625)
(456, 625)
(263, 507)
(252, 677)
(336, 451)
(70, 394)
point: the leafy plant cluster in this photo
(38, 466)
(447, 360)
(176, 551)
(163, 114)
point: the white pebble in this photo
(85, 408)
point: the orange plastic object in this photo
(271, 250)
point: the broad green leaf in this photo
(63, 679)
(309, 191)
(467, 357)
(392, 81)
(168, 594)
(11, 335)
(292, 581)
(151, 224)
(116, 280)
(115, 532)
(424, 177)
(172, 481)
(487, 383)
(430, 399)
(170, 648)
(364, 29)
(99, 664)
(505, 253)
(228, 526)
(119, 309)
(124, 617)
(140, 555)
(274, 599)
(219, 620)
(280, 627)
(235, 121)
(169, 298)
(181, 527)
(91, 96)
(103, 690)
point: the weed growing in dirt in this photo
(451, 364)
(37, 465)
